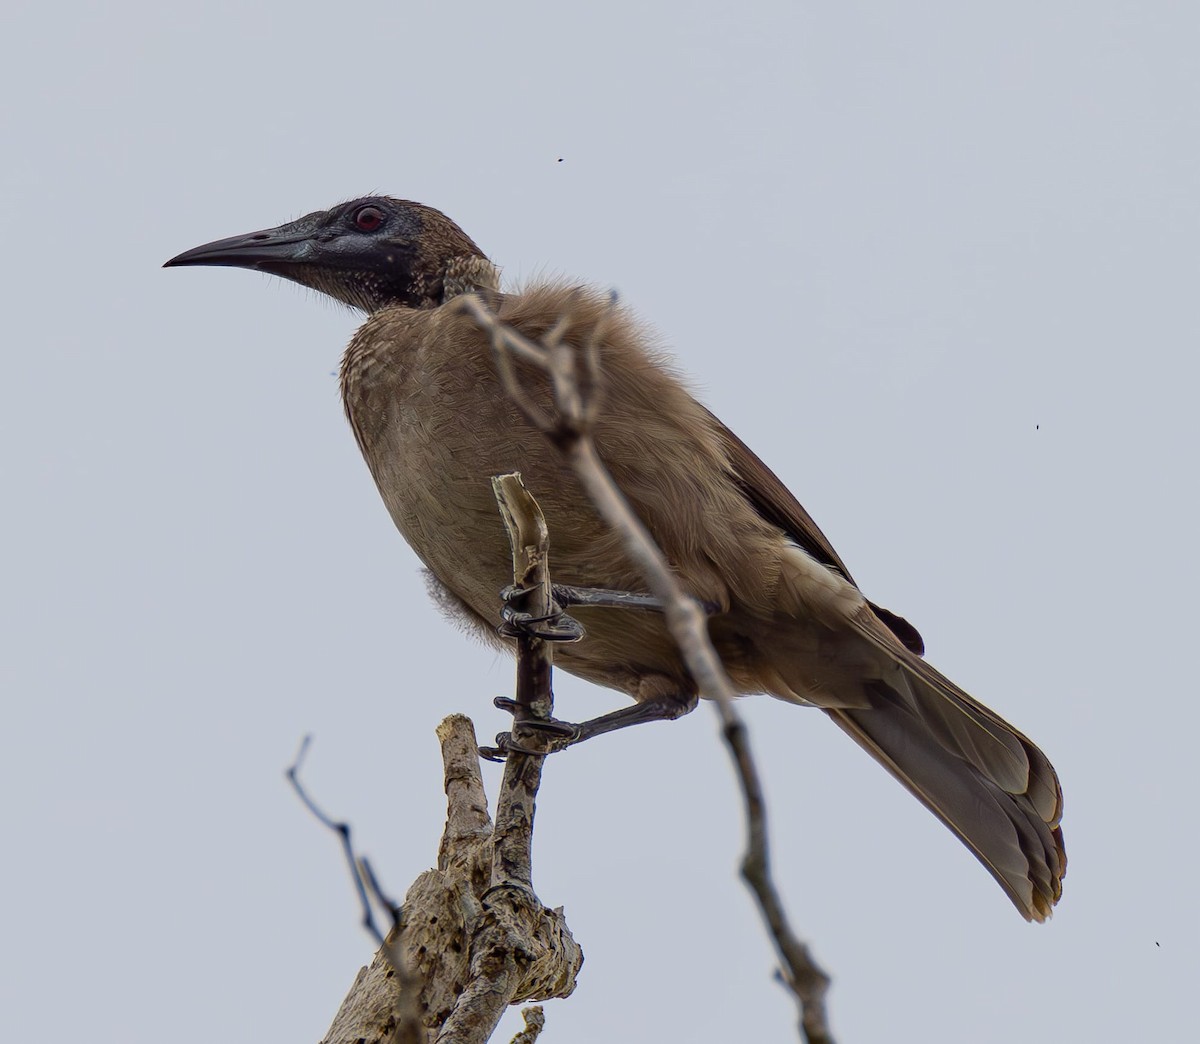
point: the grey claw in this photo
(548, 725)
(553, 627)
(552, 727)
(557, 736)
(506, 744)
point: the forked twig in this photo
(408, 1029)
(570, 432)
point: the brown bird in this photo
(434, 424)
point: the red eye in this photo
(368, 219)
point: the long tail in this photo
(988, 783)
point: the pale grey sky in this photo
(937, 263)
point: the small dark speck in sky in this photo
(559, 159)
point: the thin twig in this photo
(365, 884)
(800, 973)
(570, 433)
(530, 540)
(408, 1029)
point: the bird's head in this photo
(371, 253)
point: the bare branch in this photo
(468, 823)
(800, 972)
(517, 938)
(570, 433)
(530, 541)
(360, 871)
(407, 1028)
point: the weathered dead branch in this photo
(472, 936)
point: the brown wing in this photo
(775, 502)
(990, 784)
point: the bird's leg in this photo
(601, 597)
(557, 626)
(604, 598)
(558, 735)
(540, 736)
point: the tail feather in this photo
(984, 738)
(951, 765)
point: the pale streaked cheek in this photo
(360, 290)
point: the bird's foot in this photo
(535, 736)
(531, 738)
(539, 736)
(554, 626)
